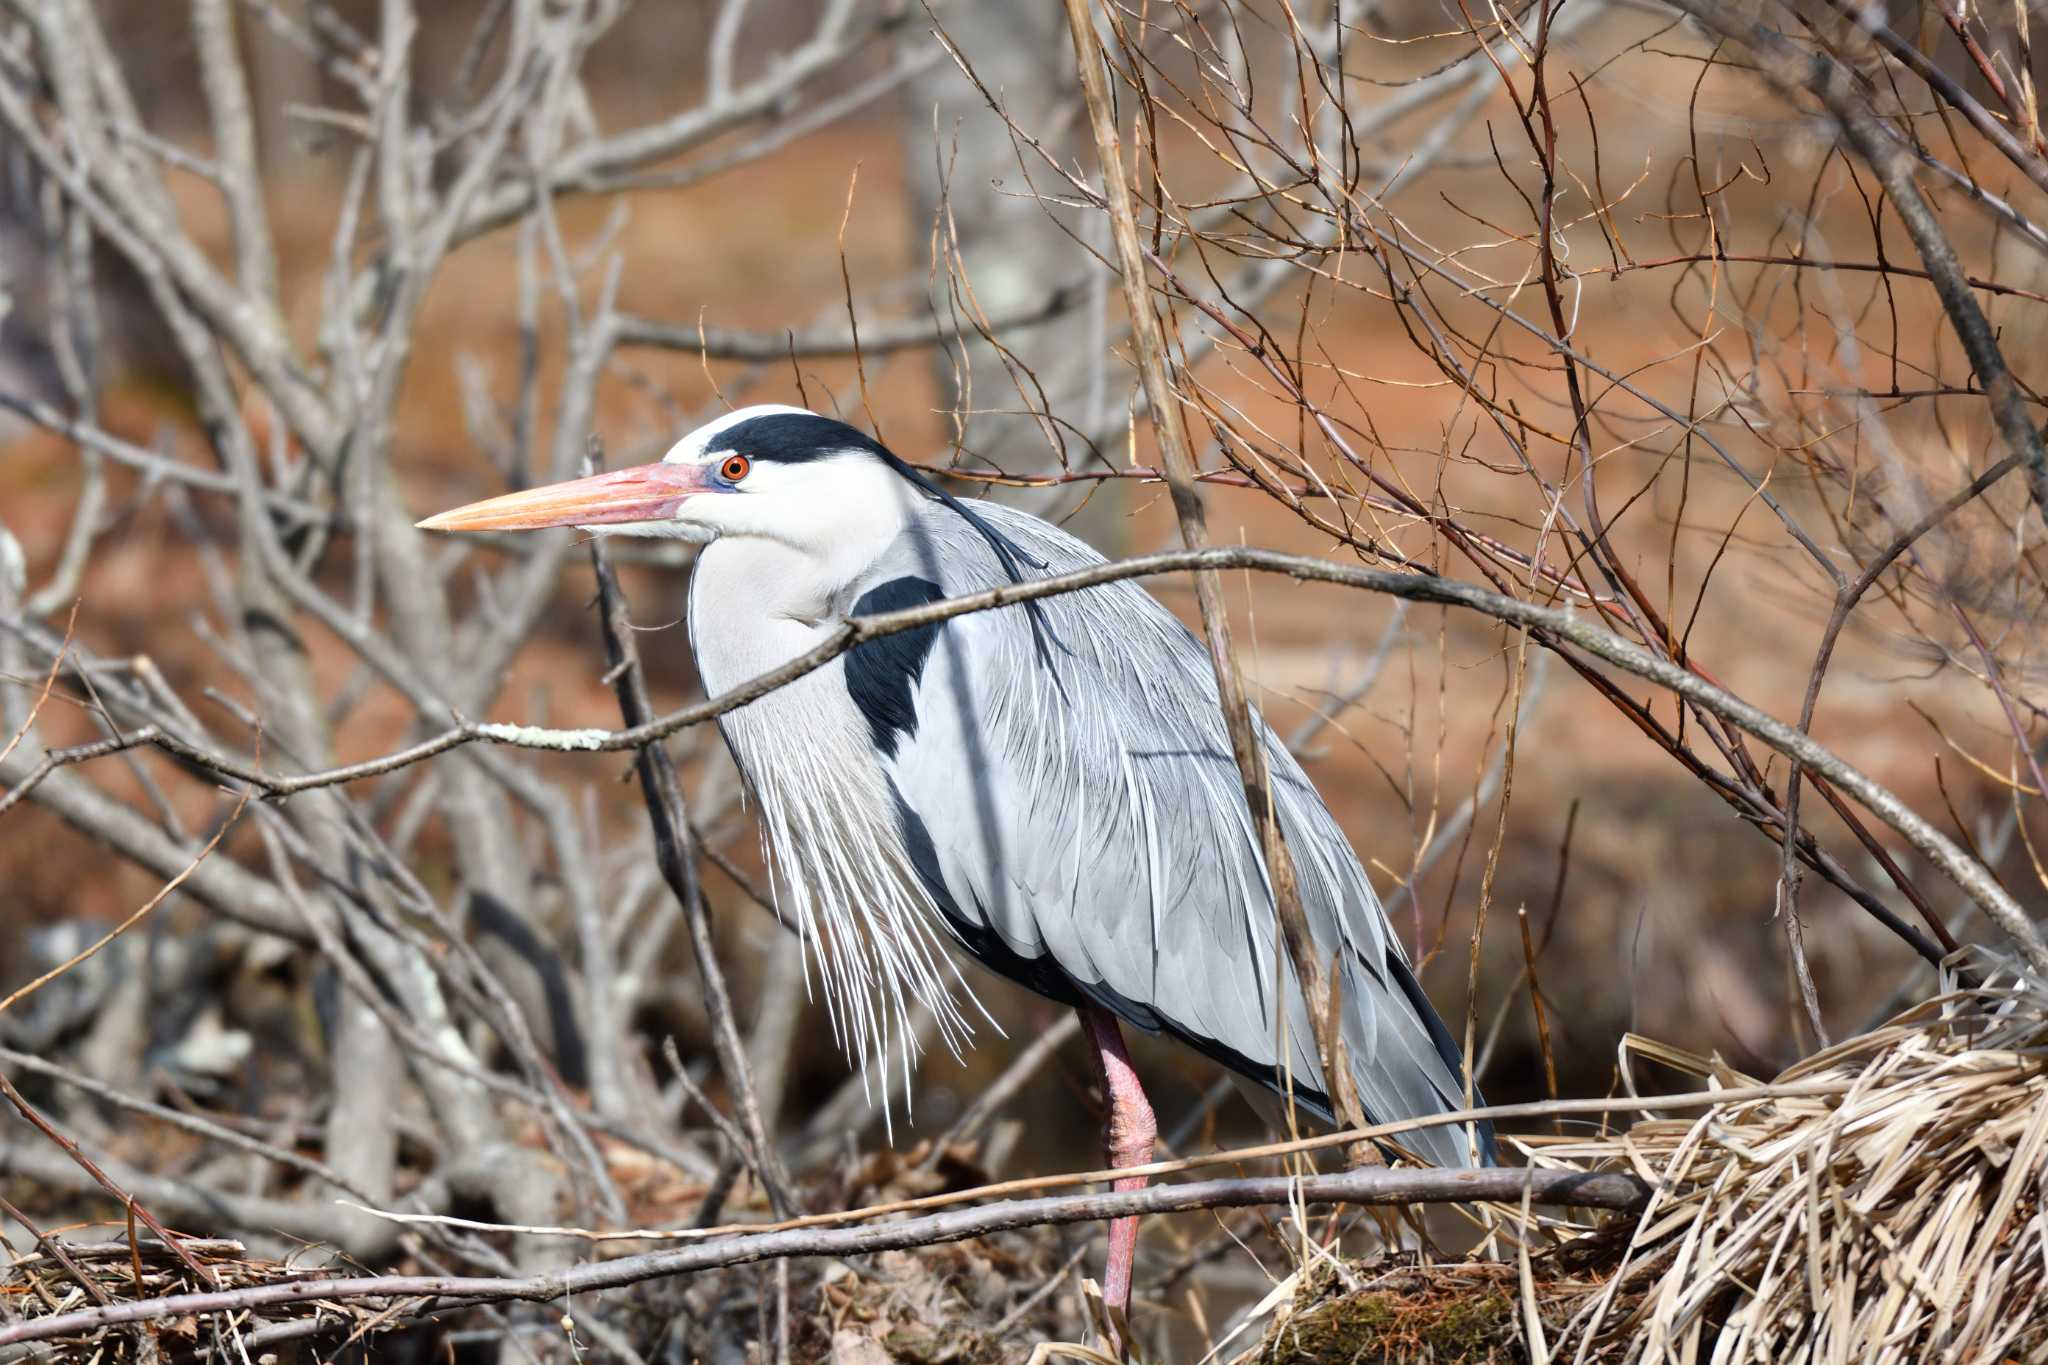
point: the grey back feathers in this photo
(1088, 834)
(1055, 794)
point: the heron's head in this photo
(772, 472)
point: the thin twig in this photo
(1178, 460)
(1820, 75)
(666, 813)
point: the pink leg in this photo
(1127, 1137)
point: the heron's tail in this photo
(1405, 1064)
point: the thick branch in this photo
(1371, 1186)
(1556, 627)
(220, 884)
(234, 133)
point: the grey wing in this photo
(1066, 787)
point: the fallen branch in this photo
(1236, 1156)
(1372, 1186)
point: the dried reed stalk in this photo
(1901, 1220)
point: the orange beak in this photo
(650, 492)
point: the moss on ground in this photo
(1371, 1326)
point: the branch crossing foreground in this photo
(1372, 1186)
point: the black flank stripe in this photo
(1049, 979)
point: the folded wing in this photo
(1067, 790)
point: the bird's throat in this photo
(755, 604)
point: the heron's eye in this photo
(735, 468)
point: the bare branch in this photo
(1554, 622)
(1178, 459)
(234, 133)
(1373, 1186)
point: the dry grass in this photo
(39, 1280)
(1901, 1220)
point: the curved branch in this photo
(724, 343)
(1555, 627)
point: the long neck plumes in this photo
(827, 809)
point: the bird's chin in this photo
(691, 533)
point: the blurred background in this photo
(1736, 348)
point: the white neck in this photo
(762, 594)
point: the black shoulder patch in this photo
(794, 437)
(881, 675)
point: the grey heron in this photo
(1046, 790)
